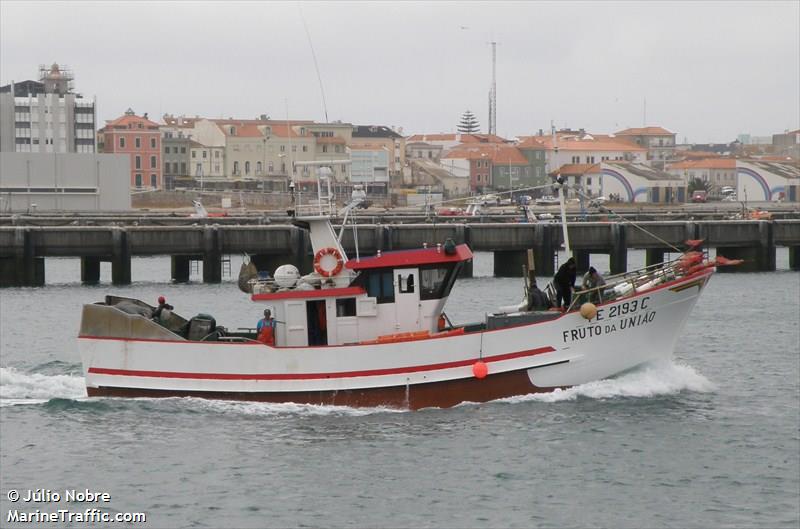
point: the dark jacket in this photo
(566, 275)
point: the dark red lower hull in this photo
(430, 395)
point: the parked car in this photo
(547, 200)
(700, 195)
(597, 201)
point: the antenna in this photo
(316, 65)
(493, 92)
(644, 113)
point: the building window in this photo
(122, 143)
(324, 148)
(153, 180)
(258, 167)
(138, 162)
(283, 148)
(204, 154)
(216, 168)
(138, 180)
(216, 154)
(344, 168)
(588, 180)
(194, 154)
(236, 168)
(294, 148)
(576, 159)
(153, 164)
(247, 168)
(270, 167)
(305, 148)
(183, 168)
(152, 143)
(138, 143)
(183, 150)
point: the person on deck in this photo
(163, 309)
(593, 279)
(565, 283)
(265, 329)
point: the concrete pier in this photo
(181, 268)
(24, 248)
(618, 258)
(653, 256)
(90, 270)
(794, 257)
(120, 257)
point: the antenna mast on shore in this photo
(493, 92)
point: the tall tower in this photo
(493, 92)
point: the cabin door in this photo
(406, 298)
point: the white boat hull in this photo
(558, 353)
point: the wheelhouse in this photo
(390, 294)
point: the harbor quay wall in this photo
(24, 248)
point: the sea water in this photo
(709, 439)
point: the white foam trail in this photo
(34, 388)
(650, 380)
(288, 408)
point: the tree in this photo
(468, 124)
(697, 184)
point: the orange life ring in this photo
(322, 253)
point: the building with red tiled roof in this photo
(787, 144)
(489, 165)
(717, 172)
(660, 143)
(140, 138)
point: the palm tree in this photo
(468, 124)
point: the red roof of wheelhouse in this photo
(422, 256)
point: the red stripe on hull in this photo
(312, 376)
(428, 395)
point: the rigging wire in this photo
(316, 65)
(624, 220)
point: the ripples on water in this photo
(710, 439)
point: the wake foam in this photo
(650, 380)
(17, 387)
(283, 409)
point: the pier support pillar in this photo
(181, 268)
(760, 258)
(582, 260)
(466, 270)
(794, 257)
(212, 255)
(653, 256)
(120, 257)
(510, 263)
(23, 269)
(618, 259)
(90, 270)
(546, 236)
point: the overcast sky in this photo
(708, 71)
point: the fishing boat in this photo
(372, 331)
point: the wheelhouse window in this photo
(436, 281)
(406, 283)
(378, 284)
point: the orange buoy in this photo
(588, 310)
(479, 369)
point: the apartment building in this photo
(140, 138)
(46, 116)
(384, 138)
(659, 142)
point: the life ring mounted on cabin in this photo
(322, 254)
